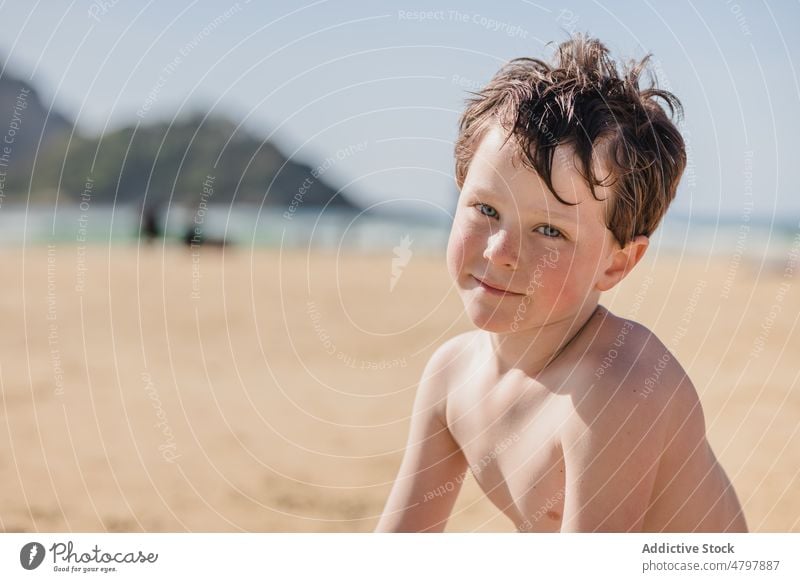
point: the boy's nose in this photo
(502, 249)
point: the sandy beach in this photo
(146, 389)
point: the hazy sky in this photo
(382, 87)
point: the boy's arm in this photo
(612, 450)
(433, 466)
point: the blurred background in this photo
(223, 229)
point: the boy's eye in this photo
(486, 210)
(549, 231)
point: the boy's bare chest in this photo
(509, 433)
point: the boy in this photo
(570, 418)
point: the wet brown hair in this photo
(581, 100)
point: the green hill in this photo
(167, 163)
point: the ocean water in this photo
(251, 226)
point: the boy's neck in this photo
(533, 350)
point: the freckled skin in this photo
(554, 444)
(501, 242)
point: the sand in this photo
(150, 390)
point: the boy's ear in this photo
(621, 262)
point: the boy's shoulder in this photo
(632, 415)
(627, 368)
(444, 363)
(454, 352)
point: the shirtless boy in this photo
(570, 418)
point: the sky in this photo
(376, 88)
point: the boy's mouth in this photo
(492, 289)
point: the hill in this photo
(161, 162)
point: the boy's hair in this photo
(582, 101)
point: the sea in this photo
(241, 225)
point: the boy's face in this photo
(510, 232)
